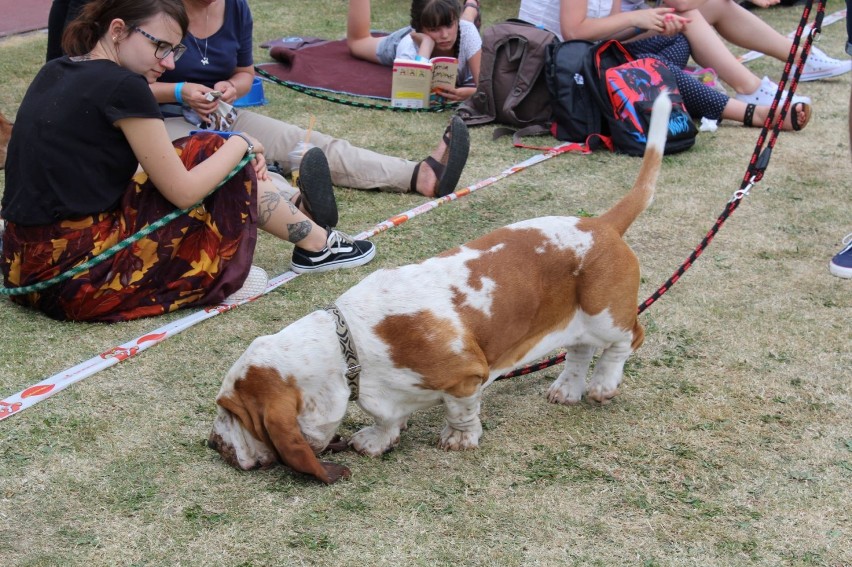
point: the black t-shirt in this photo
(66, 159)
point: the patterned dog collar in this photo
(350, 355)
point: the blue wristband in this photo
(420, 58)
(178, 88)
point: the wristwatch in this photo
(250, 147)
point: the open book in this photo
(416, 83)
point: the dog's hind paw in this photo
(601, 397)
(373, 442)
(562, 394)
(456, 440)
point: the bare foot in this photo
(438, 175)
(472, 13)
(427, 181)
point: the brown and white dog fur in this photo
(440, 331)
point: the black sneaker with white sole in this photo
(341, 251)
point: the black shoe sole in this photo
(317, 192)
(458, 149)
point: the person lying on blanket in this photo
(437, 29)
(219, 58)
(85, 124)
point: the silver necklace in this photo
(204, 60)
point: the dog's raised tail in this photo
(623, 213)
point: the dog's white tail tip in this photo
(658, 132)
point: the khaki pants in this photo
(350, 166)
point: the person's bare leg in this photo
(281, 218)
(471, 10)
(709, 50)
(427, 181)
(745, 29)
(358, 22)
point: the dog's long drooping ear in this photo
(271, 404)
(5, 134)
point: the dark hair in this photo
(81, 35)
(427, 14)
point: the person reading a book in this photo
(219, 58)
(73, 189)
(436, 30)
(657, 33)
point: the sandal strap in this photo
(436, 167)
(794, 115)
(446, 135)
(413, 185)
(748, 119)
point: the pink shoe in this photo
(707, 76)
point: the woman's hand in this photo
(195, 97)
(228, 90)
(659, 20)
(425, 44)
(258, 162)
(456, 94)
(674, 24)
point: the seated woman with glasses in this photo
(73, 188)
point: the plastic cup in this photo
(295, 159)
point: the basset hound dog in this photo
(439, 332)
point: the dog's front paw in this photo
(456, 440)
(564, 393)
(598, 394)
(373, 441)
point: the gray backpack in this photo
(512, 89)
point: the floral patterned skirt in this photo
(197, 259)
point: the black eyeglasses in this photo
(163, 47)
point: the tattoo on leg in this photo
(298, 231)
(268, 202)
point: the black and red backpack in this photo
(600, 89)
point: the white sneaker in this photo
(765, 94)
(821, 66)
(255, 285)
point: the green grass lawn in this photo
(730, 444)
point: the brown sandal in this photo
(449, 171)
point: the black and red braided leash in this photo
(757, 166)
